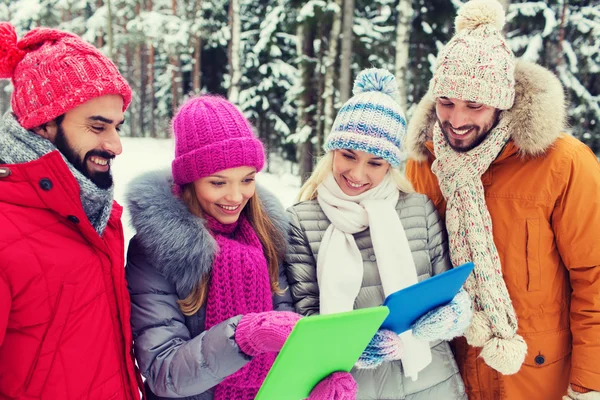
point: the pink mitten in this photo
(337, 386)
(264, 332)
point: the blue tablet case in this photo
(409, 304)
(318, 346)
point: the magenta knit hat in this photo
(211, 135)
(53, 72)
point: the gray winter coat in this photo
(427, 239)
(172, 249)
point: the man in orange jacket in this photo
(522, 200)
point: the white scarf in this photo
(340, 264)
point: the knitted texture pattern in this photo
(53, 72)
(372, 120)
(239, 284)
(477, 64)
(445, 322)
(384, 346)
(337, 386)
(212, 135)
(469, 225)
(574, 395)
(18, 145)
(265, 332)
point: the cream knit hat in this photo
(477, 64)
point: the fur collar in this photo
(176, 242)
(537, 117)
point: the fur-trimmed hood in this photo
(536, 119)
(176, 242)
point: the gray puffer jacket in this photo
(427, 240)
(167, 257)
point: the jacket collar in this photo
(537, 118)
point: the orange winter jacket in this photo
(543, 195)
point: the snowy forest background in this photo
(289, 64)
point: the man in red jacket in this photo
(64, 307)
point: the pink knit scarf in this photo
(239, 284)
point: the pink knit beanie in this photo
(211, 135)
(53, 72)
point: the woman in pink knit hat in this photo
(210, 305)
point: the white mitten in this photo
(572, 395)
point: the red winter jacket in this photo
(64, 306)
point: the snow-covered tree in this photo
(269, 72)
(292, 70)
(564, 36)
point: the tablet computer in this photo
(411, 303)
(318, 346)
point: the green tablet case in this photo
(318, 346)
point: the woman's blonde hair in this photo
(272, 240)
(308, 191)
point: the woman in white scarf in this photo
(358, 188)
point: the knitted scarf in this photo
(469, 225)
(239, 284)
(18, 145)
(340, 265)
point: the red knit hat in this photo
(53, 72)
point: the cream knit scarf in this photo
(469, 225)
(340, 265)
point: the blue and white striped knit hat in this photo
(371, 121)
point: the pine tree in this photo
(564, 37)
(269, 73)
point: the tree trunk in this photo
(561, 34)
(130, 76)
(405, 13)
(150, 80)
(152, 94)
(234, 51)
(306, 51)
(265, 132)
(329, 89)
(197, 78)
(320, 95)
(109, 30)
(143, 80)
(346, 61)
(99, 34)
(197, 85)
(175, 71)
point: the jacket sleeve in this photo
(437, 239)
(576, 224)
(283, 301)
(301, 269)
(174, 363)
(5, 304)
(424, 181)
(411, 174)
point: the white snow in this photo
(426, 28)
(535, 45)
(28, 10)
(145, 154)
